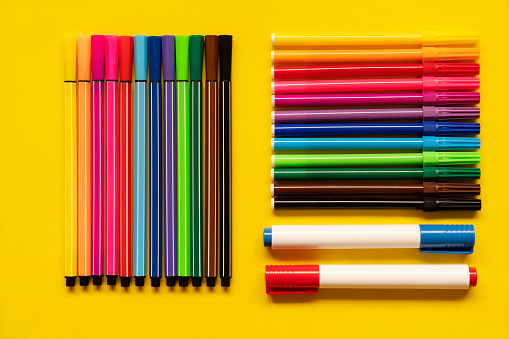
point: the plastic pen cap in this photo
(182, 55)
(432, 143)
(449, 54)
(211, 55)
(83, 57)
(69, 59)
(431, 204)
(225, 57)
(125, 57)
(97, 49)
(450, 128)
(292, 279)
(432, 113)
(432, 83)
(431, 98)
(450, 158)
(111, 56)
(451, 69)
(431, 38)
(168, 49)
(267, 237)
(444, 173)
(154, 58)
(195, 57)
(140, 57)
(458, 239)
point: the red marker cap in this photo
(473, 276)
(292, 279)
(125, 57)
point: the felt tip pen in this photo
(97, 43)
(375, 55)
(428, 173)
(155, 156)
(426, 204)
(426, 128)
(425, 98)
(307, 279)
(426, 113)
(441, 238)
(426, 143)
(169, 160)
(426, 38)
(430, 158)
(71, 162)
(331, 188)
(84, 112)
(428, 68)
(140, 160)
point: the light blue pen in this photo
(140, 161)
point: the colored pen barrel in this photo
(430, 173)
(425, 98)
(376, 55)
(454, 239)
(427, 38)
(422, 159)
(426, 128)
(428, 68)
(306, 279)
(426, 204)
(426, 113)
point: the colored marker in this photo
(211, 161)
(84, 160)
(428, 173)
(421, 159)
(427, 83)
(125, 58)
(427, 38)
(97, 43)
(454, 239)
(155, 178)
(183, 161)
(112, 160)
(427, 188)
(140, 160)
(426, 204)
(306, 279)
(195, 72)
(426, 113)
(428, 68)
(425, 98)
(426, 128)
(71, 162)
(376, 55)
(169, 160)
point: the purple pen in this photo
(425, 98)
(169, 135)
(426, 113)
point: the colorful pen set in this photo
(128, 168)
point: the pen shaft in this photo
(197, 178)
(71, 181)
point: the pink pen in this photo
(97, 47)
(426, 83)
(112, 160)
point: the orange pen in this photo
(84, 160)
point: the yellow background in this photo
(34, 301)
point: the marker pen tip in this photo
(97, 280)
(84, 280)
(155, 281)
(211, 281)
(196, 281)
(70, 281)
(139, 281)
(171, 281)
(183, 281)
(111, 279)
(225, 282)
(125, 281)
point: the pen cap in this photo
(267, 237)
(432, 143)
(431, 98)
(449, 54)
(111, 56)
(450, 83)
(432, 113)
(431, 38)
(451, 69)
(225, 57)
(69, 59)
(168, 50)
(125, 57)
(154, 58)
(447, 188)
(83, 57)
(445, 173)
(211, 55)
(458, 239)
(292, 279)
(431, 204)
(450, 158)
(450, 128)
(182, 55)
(97, 48)
(140, 57)
(195, 57)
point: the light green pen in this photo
(183, 161)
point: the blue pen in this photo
(155, 156)
(140, 164)
(427, 143)
(426, 128)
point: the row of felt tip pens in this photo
(148, 163)
(423, 79)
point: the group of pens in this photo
(426, 76)
(150, 167)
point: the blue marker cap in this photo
(430, 143)
(154, 58)
(450, 128)
(267, 237)
(458, 239)
(140, 57)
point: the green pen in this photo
(195, 75)
(183, 161)
(423, 159)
